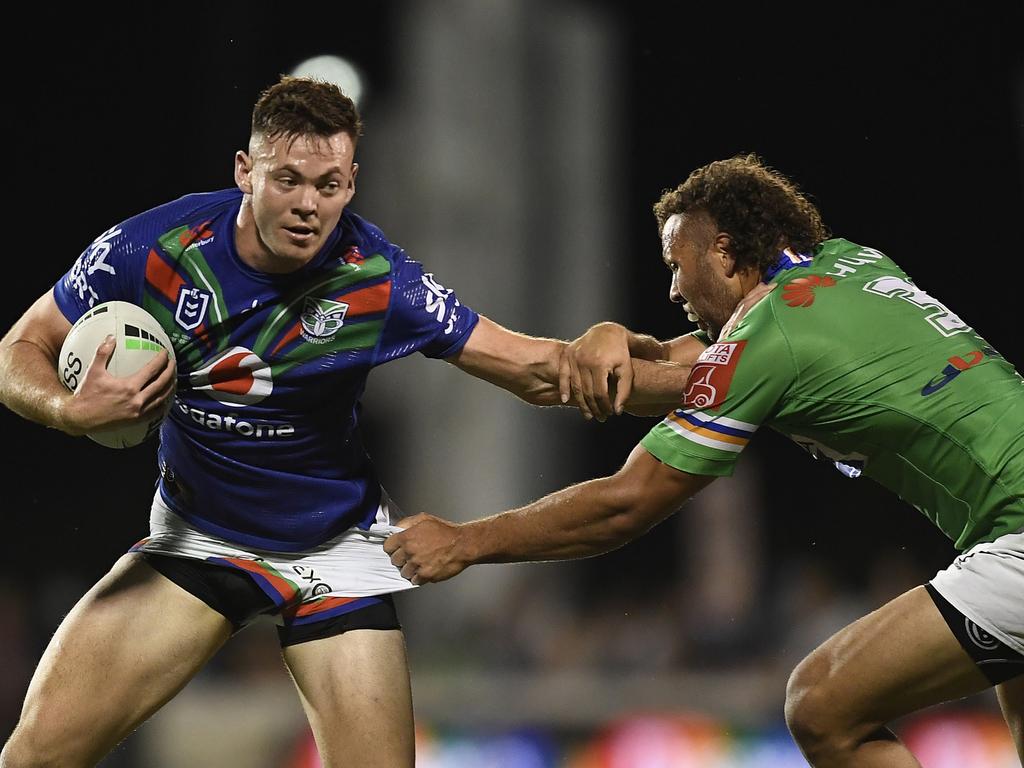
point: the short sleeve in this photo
(733, 388)
(424, 315)
(111, 268)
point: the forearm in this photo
(526, 366)
(641, 346)
(644, 347)
(658, 387)
(580, 521)
(29, 385)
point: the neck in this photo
(250, 247)
(749, 280)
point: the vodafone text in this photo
(231, 423)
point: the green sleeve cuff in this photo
(667, 450)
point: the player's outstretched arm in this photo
(29, 385)
(611, 369)
(530, 368)
(580, 521)
(600, 371)
(527, 366)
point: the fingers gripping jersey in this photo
(262, 444)
(862, 368)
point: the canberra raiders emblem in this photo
(321, 319)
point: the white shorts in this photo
(306, 586)
(986, 584)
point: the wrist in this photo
(644, 347)
(63, 406)
(471, 543)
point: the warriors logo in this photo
(321, 319)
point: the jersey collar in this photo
(788, 259)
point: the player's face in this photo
(693, 252)
(298, 188)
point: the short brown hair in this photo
(757, 206)
(301, 106)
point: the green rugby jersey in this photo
(851, 360)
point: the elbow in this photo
(631, 524)
(623, 528)
(634, 514)
(638, 500)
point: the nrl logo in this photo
(321, 319)
(191, 309)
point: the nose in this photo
(305, 202)
(673, 293)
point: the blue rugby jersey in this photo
(262, 442)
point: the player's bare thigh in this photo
(896, 660)
(356, 692)
(128, 646)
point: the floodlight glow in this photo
(333, 69)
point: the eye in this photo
(287, 181)
(331, 187)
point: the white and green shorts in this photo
(333, 587)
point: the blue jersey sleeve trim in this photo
(459, 343)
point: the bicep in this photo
(684, 349)
(43, 325)
(655, 490)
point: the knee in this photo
(32, 745)
(812, 710)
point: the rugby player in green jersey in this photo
(923, 406)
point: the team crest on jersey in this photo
(192, 306)
(321, 319)
(236, 377)
(800, 292)
(712, 374)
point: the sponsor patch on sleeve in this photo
(712, 374)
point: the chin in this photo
(300, 253)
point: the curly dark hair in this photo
(301, 106)
(756, 205)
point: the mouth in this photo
(692, 316)
(300, 233)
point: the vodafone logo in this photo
(237, 377)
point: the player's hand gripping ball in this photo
(138, 337)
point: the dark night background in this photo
(908, 133)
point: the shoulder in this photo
(841, 258)
(368, 238)
(188, 210)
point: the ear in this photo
(243, 171)
(722, 250)
(352, 182)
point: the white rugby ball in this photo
(138, 338)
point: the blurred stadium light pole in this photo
(494, 163)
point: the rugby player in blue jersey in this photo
(278, 301)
